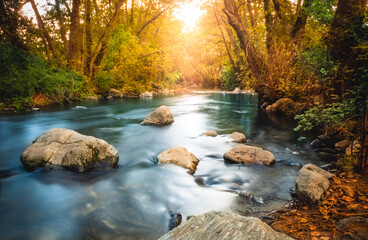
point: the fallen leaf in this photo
(337, 180)
(348, 199)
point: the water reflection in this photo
(133, 201)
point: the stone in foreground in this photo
(59, 147)
(312, 182)
(181, 157)
(238, 137)
(224, 225)
(248, 154)
(210, 133)
(161, 116)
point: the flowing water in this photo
(134, 200)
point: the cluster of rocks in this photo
(68, 149)
(329, 146)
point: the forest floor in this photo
(343, 214)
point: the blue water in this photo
(134, 200)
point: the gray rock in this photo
(66, 148)
(210, 133)
(161, 116)
(224, 225)
(146, 95)
(179, 156)
(248, 154)
(238, 137)
(114, 93)
(312, 182)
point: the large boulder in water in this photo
(161, 116)
(224, 225)
(248, 154)
(179, 156)
(312, 182)
(66, 148)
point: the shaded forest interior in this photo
(313, 52)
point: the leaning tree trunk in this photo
(301, 20)
(255, 61)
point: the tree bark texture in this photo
(254, 60)
(301, 20)
(74, 47)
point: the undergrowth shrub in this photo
(27, 80)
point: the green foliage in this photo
(349, 162)
(323, 11)
(315, 58)
(131, 65)
(332, 115)
(229, 78)
(23, 77)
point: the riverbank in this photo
(342, 214)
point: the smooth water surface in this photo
(134, 200)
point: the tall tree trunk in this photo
(341, 40)
(223, 36)
(268, 23)
(88, 33)
(234, 41)
(61, 24)
(254, 60)
(49, 45)
(74, 36)
(301, 20)
(131, 14)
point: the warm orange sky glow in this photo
(189, 13)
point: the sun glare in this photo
(189, 14)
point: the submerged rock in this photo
(248, 154)
(175, 220)
(238, 137)
(66, 148)
(224, 225)
(181, 157)
(312, 182)
(210, 133)
(161, 116)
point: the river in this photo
(134, 200)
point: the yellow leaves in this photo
(337, 180)
(323, 210)
(348, 199)
(303, 220)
